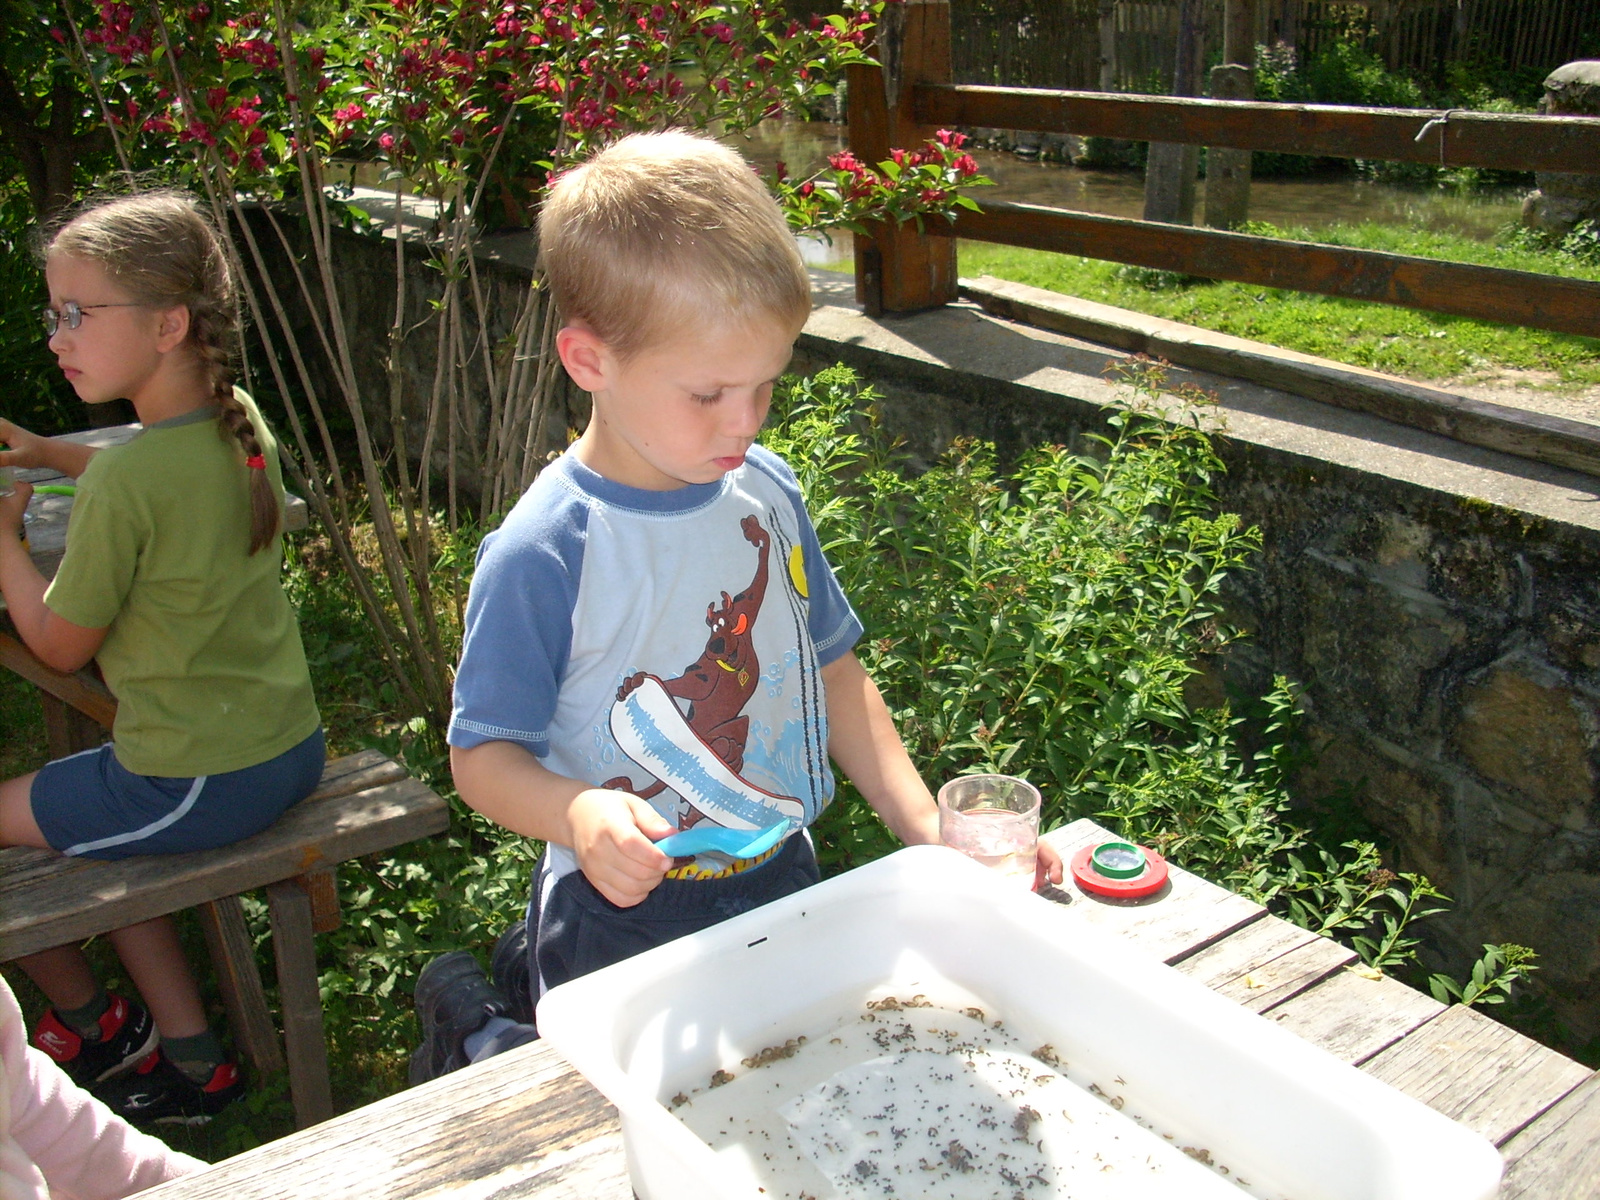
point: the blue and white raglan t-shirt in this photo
(664, 642)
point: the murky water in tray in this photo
(910, 1100)
(1311, 203)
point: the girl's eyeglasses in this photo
(72, 313)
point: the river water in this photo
(1313, 203)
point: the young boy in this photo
(663, 537)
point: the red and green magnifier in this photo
(1119, 870)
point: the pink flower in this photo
(966, 166)
(952, 139)
(386, 141)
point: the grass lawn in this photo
(1416, 345)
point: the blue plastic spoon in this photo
(737, 843)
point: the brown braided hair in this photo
(157, 247)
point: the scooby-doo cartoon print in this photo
(691, 732)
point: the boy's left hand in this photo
(1048, 869)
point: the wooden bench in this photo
(365, 804)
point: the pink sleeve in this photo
(83, 1150)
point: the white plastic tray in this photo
(1297, 1122)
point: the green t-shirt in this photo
(203, 652)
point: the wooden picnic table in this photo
(78, 709)
(525, 1125)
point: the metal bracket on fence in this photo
(1441, 121)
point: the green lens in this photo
(1118, 860)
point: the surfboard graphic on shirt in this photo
(650, 729)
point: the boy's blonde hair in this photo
(159, 249)
(661, 232)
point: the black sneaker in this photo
(159, 1093)
(453, 1001)
(508, 967)
(127, 1036)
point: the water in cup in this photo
(993, 819)
(1006, 841)
(7, 476)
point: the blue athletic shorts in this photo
(89, 804)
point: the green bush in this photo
(1044, 621)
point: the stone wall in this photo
(1448, 646)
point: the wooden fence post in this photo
(1228, 170)
(898, 269)
(1170, 170)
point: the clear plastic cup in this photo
(993, 819)
(7, 480)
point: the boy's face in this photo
(684, 411)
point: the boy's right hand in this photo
(613, 836)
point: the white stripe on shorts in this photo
(149, 830)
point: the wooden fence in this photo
(902, 270)
(1131, 45)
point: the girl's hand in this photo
(13, 506)
(26, 449)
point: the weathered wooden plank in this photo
(1260, 941)
(896, 270)
(523, 1124)
(80, 689)
(233, 956)
(1188, 914)
(1538, 436)
(1266, 962)
(1558, 1156)
(1479, 1072)
(1353, 1017)
(1271, 983)
(294, 947)
(1462, 289)
(81, 900)
(1509, 141)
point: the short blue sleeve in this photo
(835, 628)
(518, 629)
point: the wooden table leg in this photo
(233, 955)
(294, 945)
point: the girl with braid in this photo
(171, 581)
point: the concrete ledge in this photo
(1017, 385)
(1537, 436)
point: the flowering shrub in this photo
(910, 185)
(473, 104)
(495, 93)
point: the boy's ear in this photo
(584, 356)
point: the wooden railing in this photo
(904, 270)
